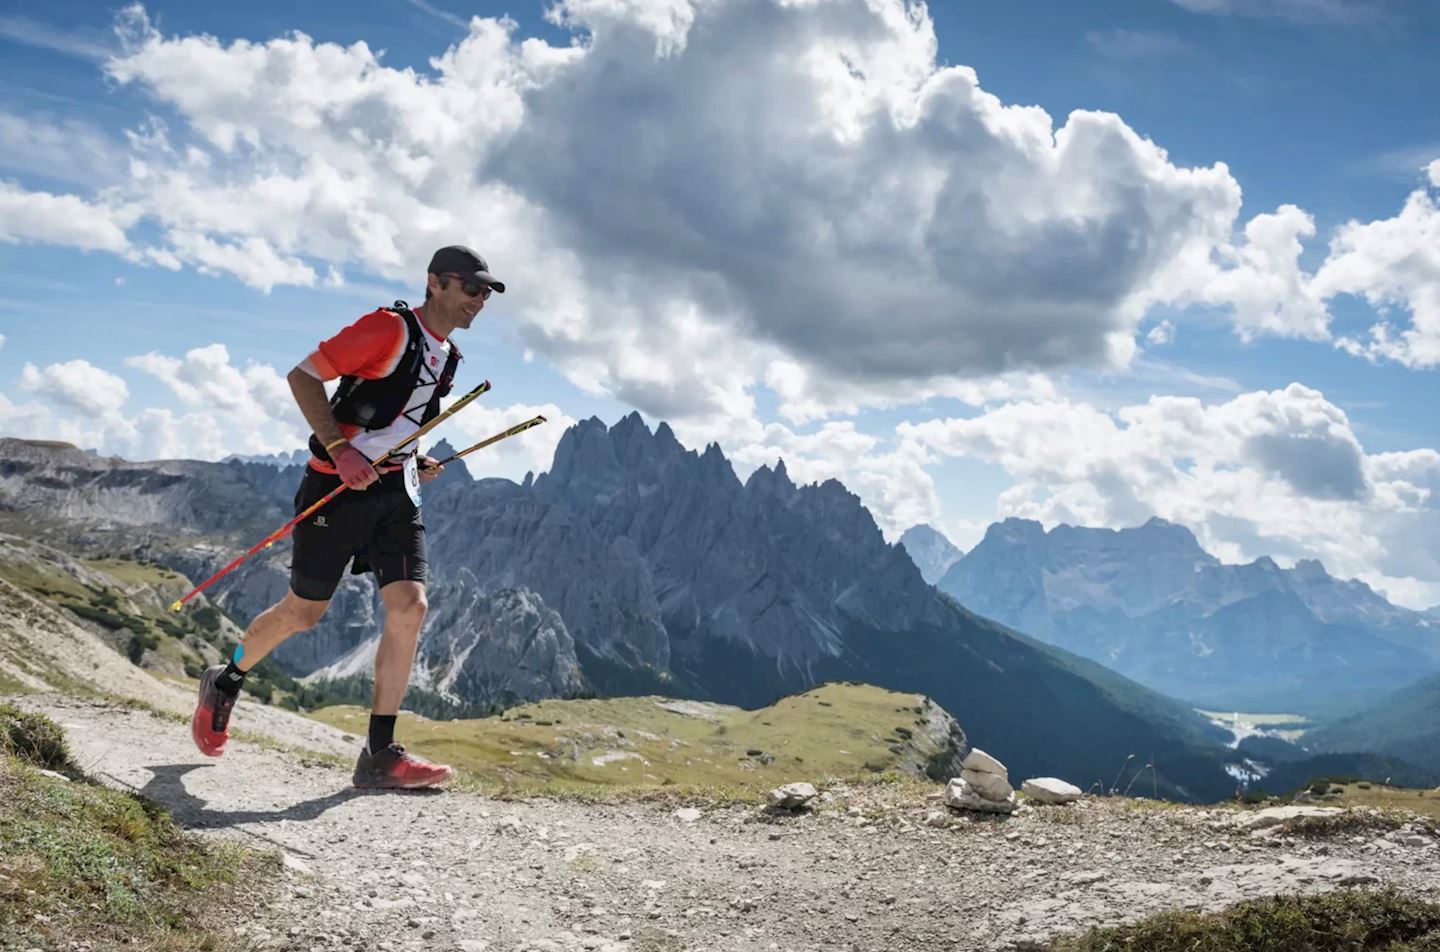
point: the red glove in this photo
(355, 470)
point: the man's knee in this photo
(405, 604)
(302, 613)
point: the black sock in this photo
(230, 679)
(382, 732)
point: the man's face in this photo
(449, 298)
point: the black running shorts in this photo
(379, 527)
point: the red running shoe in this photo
(395, 769)
(210, 727)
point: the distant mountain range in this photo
(1150, 603)
(636, 565)
(932, 553)
(293, 458)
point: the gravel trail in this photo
(460, 871)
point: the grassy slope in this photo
(1022, 700)
(836, 730)
(127, 603)
(1375, 768)
(1424, 802)
(127, 600)
(1405, 724)
(84, 862)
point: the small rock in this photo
(1086, 878)
(688, 814)
(295, 865)
(792, 796)
(1357, 879)
(1050, 790)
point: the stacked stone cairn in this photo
(983, 785)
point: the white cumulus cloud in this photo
(696, 200)
(734, 191)
(1393, 264)
(1276, 473)
(77, 384)
(511, 458)
(63, 220)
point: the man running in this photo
(394, 366)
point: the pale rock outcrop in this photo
(792, 796)
(1050, 790)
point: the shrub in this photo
(35, 739)
(1343, 919)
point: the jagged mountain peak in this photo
(1011, 531)
(769, 480)
(930, 550)
(715, 466)
(666, 439)
(455, 469)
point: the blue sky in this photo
(770, 289)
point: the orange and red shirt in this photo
(371, 348)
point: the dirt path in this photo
(455, 871)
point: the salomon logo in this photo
(320, 521)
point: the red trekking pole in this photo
(284, 530)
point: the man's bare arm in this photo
(310, 397)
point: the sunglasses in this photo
(471, 288)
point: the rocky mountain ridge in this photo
(1152, 604)
(669, 576)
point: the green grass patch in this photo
(594, 747)
(136, 572)
(1379, 920)
(42, 578)
(79, 861)
(1352, 821)
(1384, 797)
(34, 739)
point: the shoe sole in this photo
(386, 784)
(197, 724)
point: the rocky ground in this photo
(870, 869)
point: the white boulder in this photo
(1050, 790)
(792, 796)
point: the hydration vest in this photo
(375, 404)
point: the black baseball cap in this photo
(457, 259)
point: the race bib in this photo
(412, 479)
